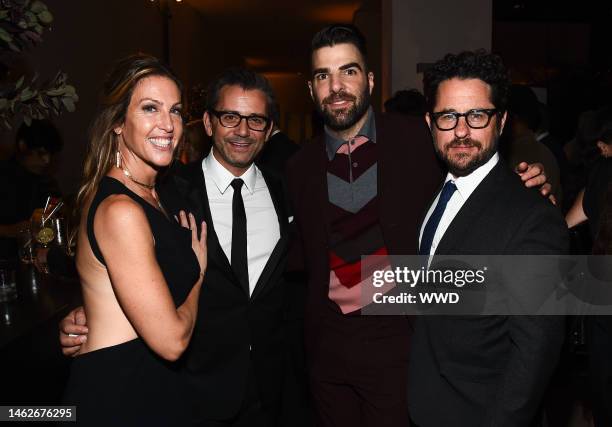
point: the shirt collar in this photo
(332, 144)
(467, 184)
(223, 178)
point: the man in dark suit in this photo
(480, 370)
(357, 190)
(277, 151)
(235, 363)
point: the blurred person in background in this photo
(196, 144)
(520, 144)
(278, 149)
(410, 102)
(545, 136)
(599, 328)
(594, 204)
(590, 201)
(25, 181)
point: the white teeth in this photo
(160, 142)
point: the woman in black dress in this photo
(590, 201)
(140, 271)
(594, 203)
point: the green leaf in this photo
(38, 6)
(4, 36)
(60, 79)
(41, 101)
(4, 14)
(30, 18)
(45, 17)
(56, 103)
(69, 104)
(55, 92)
(69, 90)
(27, 94)
(19, 82)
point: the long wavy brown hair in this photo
(115, 98)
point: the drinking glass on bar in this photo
(43, 234)
(8, 285)
(25, 246)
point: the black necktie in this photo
(239, 236)
(434, 220)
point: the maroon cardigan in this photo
(408, 176)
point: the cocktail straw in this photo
(45, 209)
(59, 205)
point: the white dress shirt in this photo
(465, 187)
(263, 230)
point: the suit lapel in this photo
(317, 181)
(424, 214)
(467, 217)
(192, 186)
(278, 199)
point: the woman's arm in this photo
(576, 213)
(127, 244)
(12, 230)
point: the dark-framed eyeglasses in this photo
(232, 119)
(476, 119)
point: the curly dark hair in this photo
(478, 64)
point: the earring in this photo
(118, 159)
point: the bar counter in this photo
(32, 367)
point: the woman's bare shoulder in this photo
(122, 217)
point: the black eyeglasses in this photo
(231, 119)
(476, 119)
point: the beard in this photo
(343, 119)
(463, 164)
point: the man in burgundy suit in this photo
(361, 188)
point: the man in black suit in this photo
(480, 370)
(235, 363)
(278, 150)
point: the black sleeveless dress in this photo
(128, 384)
